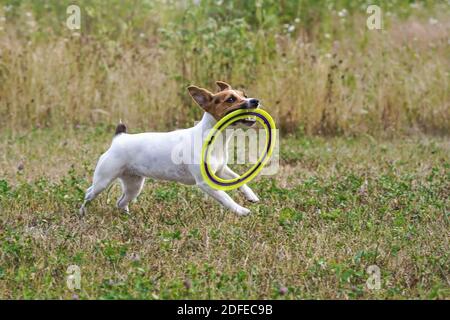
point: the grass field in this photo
(364, 174)
(337, 206)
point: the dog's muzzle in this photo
(249, 104)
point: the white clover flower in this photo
(343, 13)
(433, 21)
(291, 28)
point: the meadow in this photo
(364, 175)
(337, 206)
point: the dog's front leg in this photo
(224, 199)
(227, 173)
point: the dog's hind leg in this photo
(131, 187)
(105, 173)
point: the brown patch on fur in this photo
(218, 104)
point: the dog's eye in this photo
(231, 99)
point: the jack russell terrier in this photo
(133, 157)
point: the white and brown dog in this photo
(133, 157)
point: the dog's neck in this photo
(207, 122)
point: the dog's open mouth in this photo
(247, 121)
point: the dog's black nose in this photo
(254, 102)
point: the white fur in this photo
(133, 157)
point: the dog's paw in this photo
(252, 197)
(241, 211)
(124, 210)
(82, 211)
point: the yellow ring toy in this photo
(265, 120)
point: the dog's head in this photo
(224, 101)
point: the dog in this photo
(133, 157)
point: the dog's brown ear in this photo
(223, 85)
(202, 96)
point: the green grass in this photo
(336, 206)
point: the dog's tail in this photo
(121, 128)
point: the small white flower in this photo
(327, 36)
(142, 35)
(433, 21)
(31, 23)
(291, 28)
(342, 13)
(297, 20)
(28, 14)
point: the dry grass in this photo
(346, 82)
